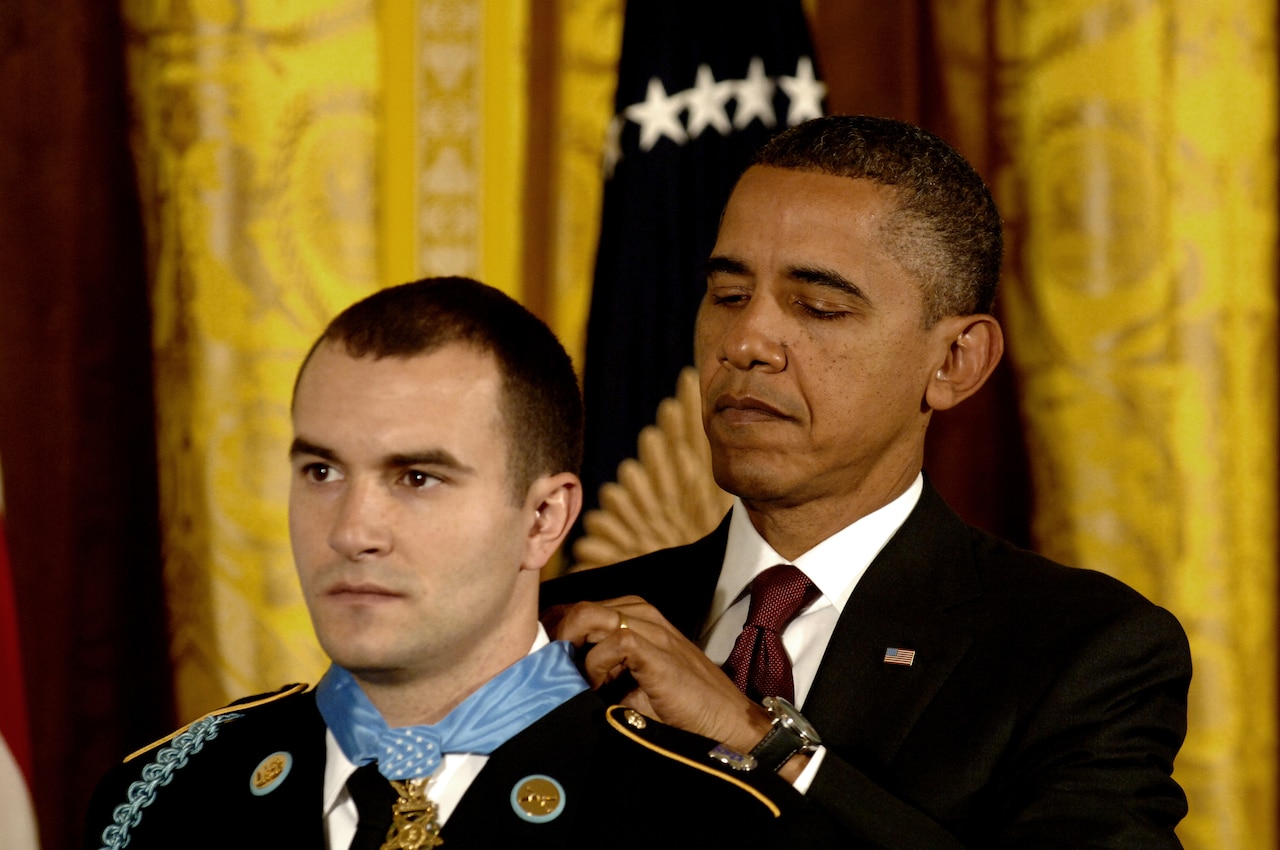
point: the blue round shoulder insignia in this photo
(269, 773)
(538, 798)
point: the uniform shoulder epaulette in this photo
(694, 751)
(164, 758)
(236, 707)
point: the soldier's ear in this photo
(969, 349)
(552, 504)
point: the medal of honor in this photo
(414, 825)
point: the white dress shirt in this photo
(450, 781)
(835, 566)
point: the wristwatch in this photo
(790, 734)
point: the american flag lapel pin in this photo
(898, 655)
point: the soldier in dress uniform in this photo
(437, 435)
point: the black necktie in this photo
(374, 797)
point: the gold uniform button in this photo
(635, 719)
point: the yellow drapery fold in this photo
(494, 123)
(255, 133)
(291, 161)
(454, 132)
(1140, 304)
(588, 41)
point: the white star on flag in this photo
(804, 93)
(706, 101)
(661, 114)
(755, 97)
(658, 116)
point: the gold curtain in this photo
(1140, 299)
(583, 76)
(255, 134)
(293, 158)
(495, 119)
(453, 139)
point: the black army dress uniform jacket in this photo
(1043, 708)
(627, 782)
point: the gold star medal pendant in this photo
(414, 824)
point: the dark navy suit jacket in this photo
(1043, 709)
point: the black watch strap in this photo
(775, 748)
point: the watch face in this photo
(788, 715)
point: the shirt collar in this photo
(835, 565)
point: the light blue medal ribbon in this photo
(502, 708)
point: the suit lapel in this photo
(686, 589)
(861, 703)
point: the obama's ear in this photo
(973, 347)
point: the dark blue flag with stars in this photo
(701, 85)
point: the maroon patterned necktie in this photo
(758, 664)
